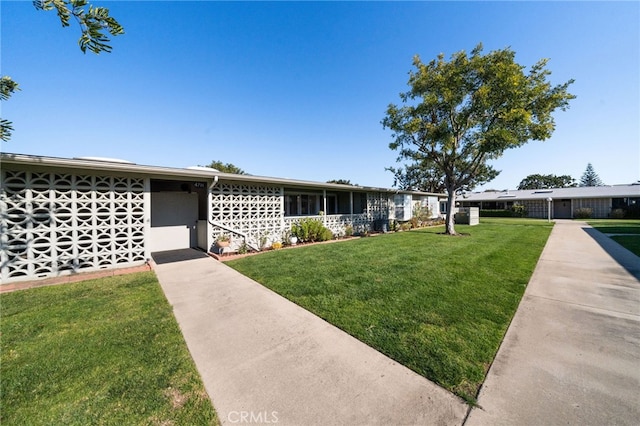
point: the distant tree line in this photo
(536, 181)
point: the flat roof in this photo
(160, 172)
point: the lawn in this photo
(630, 241)
(438, 304)
(106, 351)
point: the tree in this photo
(546, 181)
(418, 176)
(341, 181)
(590, 177)
(7, 88)
(459, 114)
(93, 22)
(226, 168)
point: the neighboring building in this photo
(565, 201)
(60, 216)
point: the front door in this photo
(562, 209)
(174, 218)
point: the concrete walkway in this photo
(570, 356)
(265, 360)
(572, 352)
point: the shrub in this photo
(518, 210)
(325, 235)
(617, 214)
(496, 213)
(277, 245)
(311, 230)
(405, 226)
(421, 213)
(583, 213)
(348, 231)
(243, 249)
(223, 238)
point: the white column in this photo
(282, 209)
(324, 207)
(147, 217)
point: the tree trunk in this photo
(451, 205)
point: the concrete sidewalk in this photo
(264, 359)
(572, 352)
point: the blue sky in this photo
(298, 89)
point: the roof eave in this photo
(171, 172)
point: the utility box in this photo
(468, 216)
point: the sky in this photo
(299, 89)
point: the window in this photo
(620, 203)
(302, 204)
(299, 203)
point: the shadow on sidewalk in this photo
(170, 256)
(624, 257)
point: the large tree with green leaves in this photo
(225, 167)
(459, 114)
(94, 23)
(341, 181)
(590, 177)
(418, 176)
(546, 181)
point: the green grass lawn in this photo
(106, 351)
(614, 226)
(438, 304)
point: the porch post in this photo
(351, 206)
(282, 210)
(324, 207)
(147, 218)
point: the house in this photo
(560, 203)
(62, 216)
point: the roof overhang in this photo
(159, 172)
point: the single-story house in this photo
(61, 215)
(561, 203)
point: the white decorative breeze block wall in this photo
(254, 211)
(378, 205)
(54, 223)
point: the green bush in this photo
(617, 214)
(421, 213)
(326, 235)
(348, 231)
(518, 210)
(311, 230)
(583, 213)
(496, 213)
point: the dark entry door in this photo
(174, 218)
(562, 209)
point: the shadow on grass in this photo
(627, 259)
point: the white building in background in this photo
(602, 200)
(61, 216)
